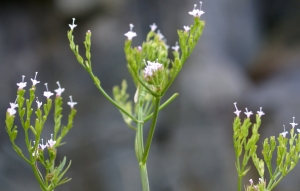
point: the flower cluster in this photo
(253, 187)
(284, 133)
(247, 113)
(49, 144)
(151, 68)
(47, 94)
(260, 113)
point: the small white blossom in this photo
(251, 182)
(39, 103)
(294, 124)
(51, 142)
(72, 26)
(176, 47)
(47, 93)
(237, 112)
(11, 111)
(130, 34)
(14, 105)
(260, 112)
(298, 130)
(34, 81)
(186, 28)
(59, 90)
(42, 146)
(153, 27)
(248, 113)
(71, 103)
(22, 84)
(160, 35)
(197, 12)
(151, 68)
(284, 132)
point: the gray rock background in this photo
(249, 53)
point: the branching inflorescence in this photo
(245, 146)
(152, 73)
(53, 176)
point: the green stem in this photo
(144, 176)
(109, 98)
(170, 82)
(275, 183)
(162, 106)
(240, 183)
(139, 145)
(37, 176)
(239, 174)
(152, 129)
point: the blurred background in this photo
(248, 53)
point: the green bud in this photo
(13, 135)
(49, 176)
(253, 150)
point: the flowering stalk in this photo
(152, 73)
(53, 174)
(287, 155)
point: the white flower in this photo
(39, 104)
(161, 36)
(22, 84)
(130, 34)
(298, 130)
(153, 27)
(71, 103)
(14, 105)
(176, 47)
(51, 142)
(34, 81)
(186, 28)
(42, 145)
(72, 26)
(59, 90)
(251, 182)
(11, 111)
(260, 112)
(248, 113)
(237, 112)
(294, 124)
(47, 93)
(151, 68)
(197, 12)
(284, 132)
